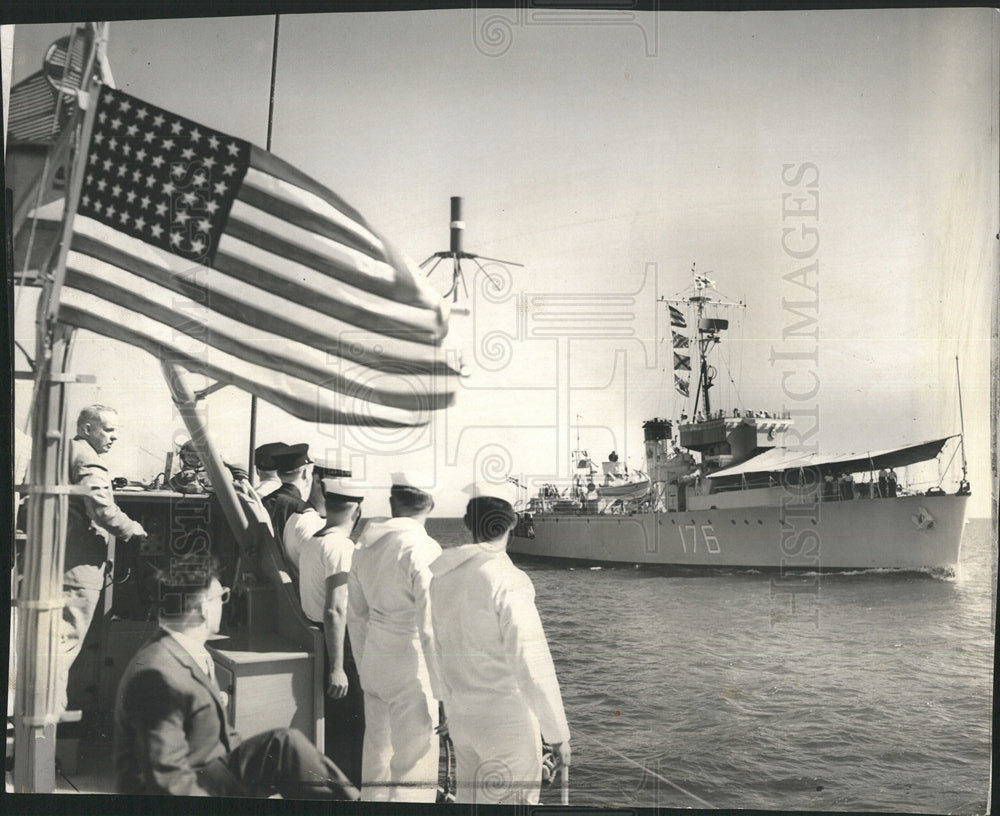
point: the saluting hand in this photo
(442, 726)
(561, 753)
(336, 684)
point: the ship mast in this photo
(708, 329)
(704, 343)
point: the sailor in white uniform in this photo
(304, 524)
(496, 674)
(324, 565)
(389, 625)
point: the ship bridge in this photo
(726, 439)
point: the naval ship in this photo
(719, 490)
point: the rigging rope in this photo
(943, 473)
(662, 778)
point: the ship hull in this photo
(904, 533)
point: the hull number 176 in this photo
(690, 537)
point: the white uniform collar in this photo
(403, 523)
(378, 528)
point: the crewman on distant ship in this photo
(883, 484)
(829, 488)
(893, 482)
(846, 486)
(500, 689)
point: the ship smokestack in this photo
(657, 429)
(657, 433)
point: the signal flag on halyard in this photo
(681, 385)
(677, 317)
(205, 250)
(680, 340)
(682, 362)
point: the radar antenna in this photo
(456, 253)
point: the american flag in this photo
(206, 250)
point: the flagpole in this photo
(40, 600)
(270, 124)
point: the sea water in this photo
(872, 692)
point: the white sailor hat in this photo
(338, 488)
(414, 479)
(325, 466)
(505, 491)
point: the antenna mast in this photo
(457, 253)
(704, 341)
(708, 329)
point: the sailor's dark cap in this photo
(292, 457)
(263, 457)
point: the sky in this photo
(833, 166)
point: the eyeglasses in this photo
(222, 596)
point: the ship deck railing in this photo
(859, 490)
(735, 414)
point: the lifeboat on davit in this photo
(635, 487)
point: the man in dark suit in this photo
(171, 735)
